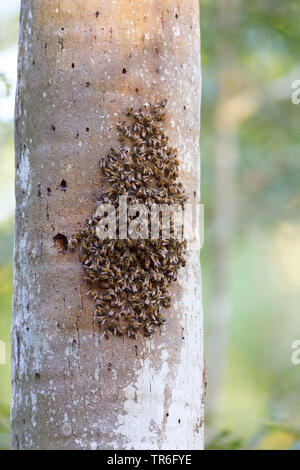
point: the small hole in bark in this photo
(109, 366)
(62, 29)
(39, 192)
(137, 90)
(176, 16)
(57, 325)
(184, 107)
(73, 65)
(136, 350)
(87, 129)
(179, 421)
(48, 191)
(17, 166)
(46, 45)
(87, 84)
(27, 329)
(124, 71)
(61, 242)
(63, 185)
(37, 376)
(97, 14)
(24, 421)
(33, 62)
(53, 127)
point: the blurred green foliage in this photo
(6, 85)
(259, 400)
(8, 40)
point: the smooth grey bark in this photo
(81, 65)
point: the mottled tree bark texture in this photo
(81, 65)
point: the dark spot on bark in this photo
(156, 50)
(18, 339)
(61, 242)
(27, 329)
(176, 16)
(57, 325)
(87, 129)
(62, 29)
(87, 84)
(182, 333)
(17, 166)
(63, 185)
(24, 421)
(27, 306)
(195, 193)
(37, 376)
(124, 71)
(179, 421)
(77, 135)
(136, 350)
(97, 14)
(157, 70)
(167, 415)
(73, 65)
(39, 192)
(137, 90)
(33, 62)
(53, 127)
(46, 45)
(184, 107)
(109, 366)
(48, 191)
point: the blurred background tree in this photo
(250, 188)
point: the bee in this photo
(107, 334)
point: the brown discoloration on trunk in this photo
(93, 393)
(204, 379)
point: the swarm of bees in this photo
(129, 278)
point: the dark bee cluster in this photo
(130, 278)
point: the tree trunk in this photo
(226, 153)
(81, 65)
